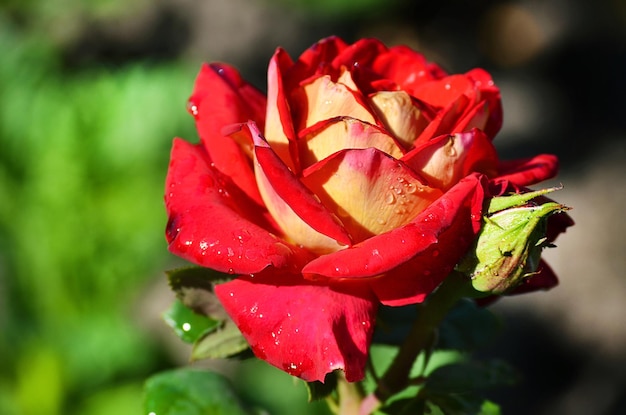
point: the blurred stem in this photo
(350, 395)
(422, 334)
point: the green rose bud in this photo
(509, 245)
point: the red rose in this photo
(358, 180)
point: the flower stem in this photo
(422, 335)
(350, 395)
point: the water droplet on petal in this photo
(410, 188)
(390, 198)
(436, 253)
(192, 107)
(426, 273)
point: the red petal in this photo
(442, 92)
(221, 98)
(526, 172)
(213, 223)
(543, 279)
(305, 329)
(317, 58)
(445, 121)
(415, 242)
(407, 68)
(491, 94)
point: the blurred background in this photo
(92, 93)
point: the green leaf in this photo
(468, 327)
(499, 203)
(194, 287)
(462, 405)
(226, 341)
(469, 376)
(187, 324)
(407, 406)
(191, 392)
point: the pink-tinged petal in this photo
(212, 223)
(303, 218)
(400, 115)
(526, 172)
(330, 136)
(370, 191)
(321, 99)
(444, 160)
(305, 329)
(413, 242)
(221, 98)
(279, 130)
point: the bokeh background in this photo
(91, 94)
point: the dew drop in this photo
(410, 188)
(390, 198)
(230, 270)
(192, 108)
(381, 221)
(186, 327)
(426, 273)
(436, 253)
(398, 190)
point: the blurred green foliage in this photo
(82, 163)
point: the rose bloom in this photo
(358, 180)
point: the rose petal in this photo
(279, 130)
(445, 121)
(330, 136)
(399, 115)
(490, 93)
(299, 213)
(305, 329)
(370, 191)
(528, 171)
(442, 92)
(321, 99)
(317, 58)
(213, 224)
(444, 160)
(411, 242)
(407, 68)
(543, 279)
(220, 98)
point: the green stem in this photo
(349, 397)
(420, 338)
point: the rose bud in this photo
(509, 245)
